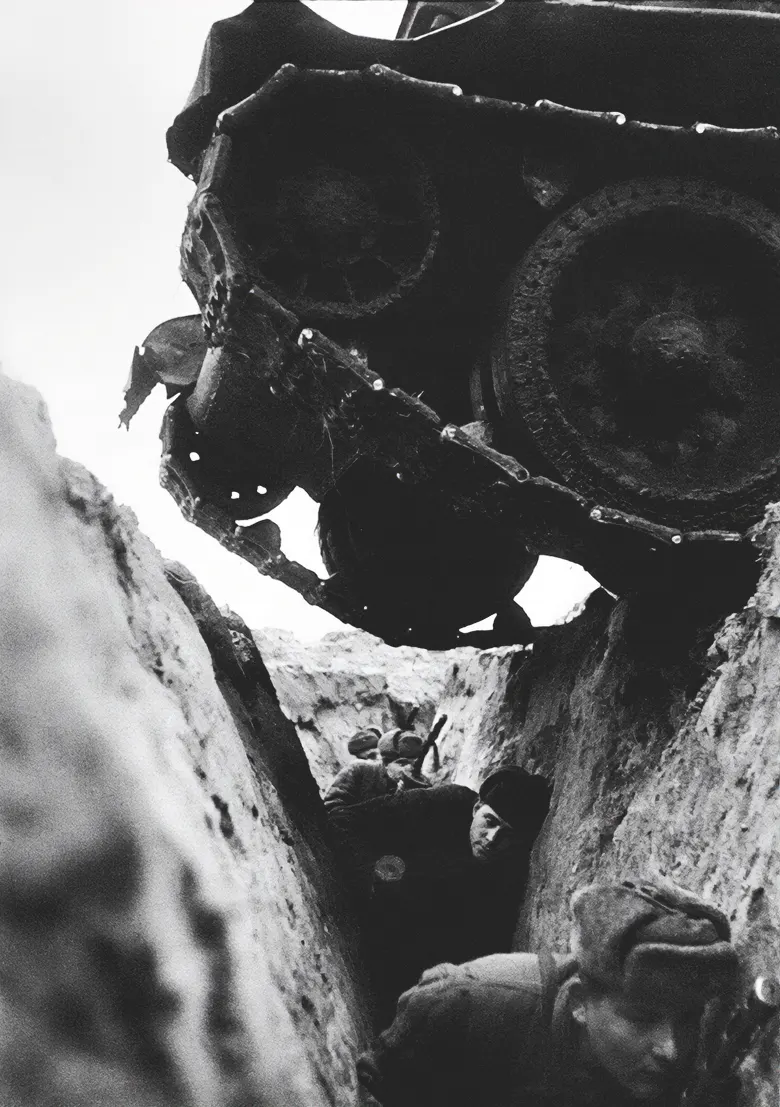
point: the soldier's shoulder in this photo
(509, 971)
(459, 790)
(513, 978)
(364, 770)
(368, 768)
(442, 802)
(453, 796)
(490, 1003)
(352, 769)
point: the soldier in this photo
(368, 780)
(615, 1023)
(363, 744)
(455, 877)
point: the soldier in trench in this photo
(621, 1020)
(438, 874)
(366, 780)
(363, 744)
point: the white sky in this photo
(92, 217)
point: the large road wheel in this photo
(638, 356)
(421, 568)
(339, 226)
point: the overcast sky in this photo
(92, 217)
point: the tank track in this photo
(478, 480)
(729, 145)
(383, 77)
(362, 414)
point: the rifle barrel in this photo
(433, 734)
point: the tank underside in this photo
(477, 330)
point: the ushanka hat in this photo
(363, 740)
(654, 940)
(520, 798)
(401, 743)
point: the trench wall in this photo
(170, 926)
(349, 680)
(661, 732)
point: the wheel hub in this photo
(339, 227)
(328, 213)
(677, 384)
(670, 350)
(640, 351)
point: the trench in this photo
(176, 930)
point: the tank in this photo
(501, 287)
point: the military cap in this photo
(653, 939)
(401, 743)
(520, 798)
(363, 740)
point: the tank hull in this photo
(392, 246)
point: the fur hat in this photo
(400, 743)
(520, 798)
(363, 740)
(654, 939)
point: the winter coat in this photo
(447, 905)
(358, 782)
(495, 1032)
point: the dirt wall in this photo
(170, 927)
(660, 729)
(349, 680)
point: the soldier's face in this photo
(643, 1046)
(490, 836)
